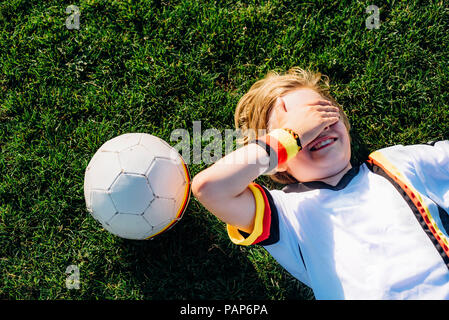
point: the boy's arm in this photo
(432, 168)
(223, 187)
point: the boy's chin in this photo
(332, 167)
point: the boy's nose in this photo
(328, 127)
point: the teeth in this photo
(322, 143)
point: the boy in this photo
(374, 231)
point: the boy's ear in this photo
(281, 103)
(279, 113)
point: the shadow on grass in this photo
(196, 260)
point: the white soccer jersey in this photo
(381, 233)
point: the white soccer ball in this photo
(137, 186)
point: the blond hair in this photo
(253, 109)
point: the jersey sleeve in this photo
(426, 166)
(266, 228)
(432, 168)
(272, 230)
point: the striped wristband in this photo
(281, 145)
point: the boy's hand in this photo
(308, 122)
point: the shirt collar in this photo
(312, 185)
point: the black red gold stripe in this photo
(382, 166)
(270, 225)
(234, 233)
(185, 201)
(266, 217)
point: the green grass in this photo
(153, 66)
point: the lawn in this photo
(155, 66)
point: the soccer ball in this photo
(137, 186)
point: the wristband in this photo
(296, 136)
(281, 145)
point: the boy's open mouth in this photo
(322, 143)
